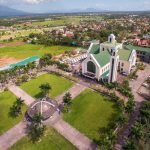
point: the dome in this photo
(45, 107)
(112, 35)
(111, 38)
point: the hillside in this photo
(9, 12)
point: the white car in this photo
(145, 85)
(124, 73)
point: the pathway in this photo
(135, 85)
(71, 134)
(74, 136)
(13, 135)
(75, 91)
(28, 100)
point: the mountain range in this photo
(10, 12)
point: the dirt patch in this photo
(7, 60)
(11, 44)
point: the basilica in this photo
(105, 60)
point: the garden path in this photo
(12, 136)
(28, 100)
(74, 136)
(74, 91)
(71, 134)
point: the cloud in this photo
(24, 1)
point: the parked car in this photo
(124, 73)
(145, 85)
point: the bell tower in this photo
(113, 65)
(111, 38)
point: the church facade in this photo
(106, 59)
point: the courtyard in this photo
(91, 112)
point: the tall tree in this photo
(36, 128)
(45, 89)
(67, 98)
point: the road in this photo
(135, 85)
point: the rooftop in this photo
(102, 58)
(124, 54)
(94, 49)
(138, 48)
(111, 44)
(45, 107)
(105, 74)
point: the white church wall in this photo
(125, 66)
(84, 65)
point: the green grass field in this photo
(90, 112)
(27, 50)
(58, 84)
(19, 33)
(6, 122)
(52, 141)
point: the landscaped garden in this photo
(28, 50)
(6, 121)
(51, 140)
(90, 112)
(58, 84)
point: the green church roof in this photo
(105, 74)
(94, 49)
(102, 58)
(124, 54)
(138, 48)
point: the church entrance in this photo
(91, 67)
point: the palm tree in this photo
(36, 128)
(130, 145)
(37, 119)
(130, 106)
(16, 109)
(136, 131)
(122, 119)
(45, 89)
(67, 98)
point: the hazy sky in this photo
(47, 5)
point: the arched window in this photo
(91, 67)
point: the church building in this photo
(105, 60)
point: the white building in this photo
(104, 60)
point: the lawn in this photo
(6, 122)
(51, 141)
(90, 112)
(58, 84)
(27, 50)
(19, 33)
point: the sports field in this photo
(13, 54)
